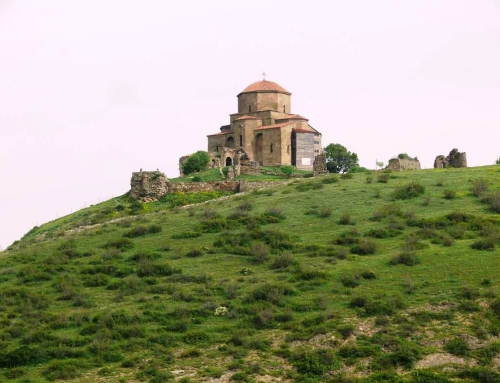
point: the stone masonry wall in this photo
(398, 164)
(319, 165)
(151, 186)
(148, 186)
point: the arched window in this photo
(271, 148)
(241, 140)
(217, 148)
(284, 108)
(230, 142)
(229, 161)
(288, 149)
(250, 108)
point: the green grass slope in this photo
(382, 277)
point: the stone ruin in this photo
(399, 164)
(454, 160)
(148, 186)
(319, 165)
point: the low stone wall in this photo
(151, 186)
(398, 164)
(192, 187)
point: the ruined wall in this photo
(399, 164)
(148, 186)
(151, 186)
(319, 165)
(454, 160)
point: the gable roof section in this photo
(220, 134)
(246, 117)
(274, 126)
(301, 131)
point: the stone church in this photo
(266, 130)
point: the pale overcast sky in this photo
(93, 90)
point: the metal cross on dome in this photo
(264, 76)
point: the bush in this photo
(449, 194)
(458, 347)
(139, 231)
(287, 170)
(195, 253)
(259, 252)
(121, 244)
(410, 190)
(364, 246)
(283, 261)
(484, 244)
(383, 178)
(350, 280)
(315, 362)
(325, 212)
(493, 201)
(186, 234)
(196, 162)
(408, 258)
(197, 178)
(329, 180)
(345, 219)
(480, 186)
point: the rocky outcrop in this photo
(454, 160)
(148, 186)
(399, 164)
(319, 165)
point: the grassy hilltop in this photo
(382, 277)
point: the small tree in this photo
(497, 162)
(196, 162)
(339, 159)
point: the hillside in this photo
(382, 277)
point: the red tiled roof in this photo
(293, 117)
(302, 131)
(246, 118)
(274, 126)
(264, 86)
(220, 134)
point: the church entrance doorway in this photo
(229, 161)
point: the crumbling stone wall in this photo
(399, 164)
(454, 160)
(151, 186)
(319, 165)
(148, 186)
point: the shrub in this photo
(325, 212)
(347, 238)
(346, 176)
(275, 212)
(350, 280)
(345, 219)
(283, 261)
(408, 258)
(493, 201)
(369, 179)
(383, 178)
(196, 178)
(121, 244)
(410, 190)
(488, 243)
(365, 246)
(259, 252)
(449, 194)
(287, 170)
(315, 362)
(196, 162)
(271, 292)
(137, 231)
(186, 234)
(329, 180)
(457, 346)
(195, 253)
(479, 187)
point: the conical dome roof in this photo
(265, 86)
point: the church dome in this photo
(265, 86)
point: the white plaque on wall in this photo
(306, 161)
